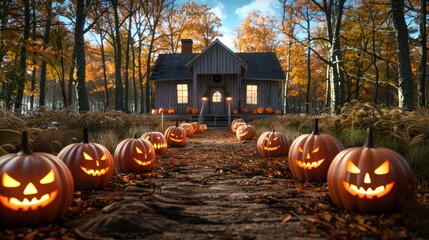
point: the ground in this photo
(219, 188)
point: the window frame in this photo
(180, 90)
(252, 94)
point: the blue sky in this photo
(233, 12)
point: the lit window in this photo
(217, 97)
(251, 94)
(182, 93)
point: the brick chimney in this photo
(186, 45)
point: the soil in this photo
(219, 188)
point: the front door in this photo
(217, 101)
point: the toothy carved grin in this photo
(176, 140)
(159, 145)
(309, 165)
(271, 148)
(143, 163)
(94, 173)
(26, 204)
(368, 193)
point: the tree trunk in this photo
(23, 59)
(406, 84)
(422, 71)
(82, 94)
(307, 96)
(45, 45)
(119, 94)
(33, 74)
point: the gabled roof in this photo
(207, 49)
(259, 65)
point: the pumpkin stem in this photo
(135, 136)
(316, 126)
(85, 135)
(273, 130)
(177, 122)
(369, 139)
(25, 145)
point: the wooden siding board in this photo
(217, 61)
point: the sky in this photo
(233, 12)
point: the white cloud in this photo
(227, 38)
(219, 11)
(263, 6)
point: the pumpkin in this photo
(203, 127)
(234, 111)
(188, 128)
(35, 187)
(260, 110)
(175, 136)
(236, 123)
(171, 110)
(272, 144)
(196, 126)
(369, 179)
(91, 164)
(311, 154)
(244, 110)
(134, 155)
(269, 110)
(157, 139)
(278, 112)
(189, 110)
(154, 111)
(195, 111)
(161, 110)
(245, 132)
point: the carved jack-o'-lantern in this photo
(188, 128)
(196, 126)
(35, 188)
(91, 164)
(175, 136)
(272, 144)
(154, 111)
(134, 155)
(236, 123)
(245, 132)
(369, 179)
(311, 154)
(157, 139)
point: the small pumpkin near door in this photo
(311, 154)
(91, 164)
(175, 136)
(157, 139)
(245, 132)
(134, 155)
(236, 123)
(35, 187)
(272, 144)
(369, 179)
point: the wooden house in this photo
(217, 80)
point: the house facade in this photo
(217, 80)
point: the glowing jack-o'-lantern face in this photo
(34, 187)
(369, 179)
(91, 164)
(188, 128)
(272, 144)
(134, 155)
(311, 154)
(367, 189)
(32, 197)
(175, 136)
(96, 170)
(157, 139)
(236, 123)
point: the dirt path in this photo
(217, 188)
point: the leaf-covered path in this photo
(218, 188)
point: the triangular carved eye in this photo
(138, 150)
(383, 168)
(49, 178)
(352, 168)
(9, 181)
(86, 156)
(104, 157)
(300, 149)
(316, 150)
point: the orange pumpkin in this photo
(188, 128)
(196, 126)
(161, 110)
(278, 112)
(269, 110)
(189, 110)
(171, 110)
(154, 111)
(369, 179)
(272, 144)
(195, 111)
(245, 132)
(134, 155)
(244, 110)
(157, 139)
(236, 123)
(35, 187)
(311, 154)
(175, 136)
(91, 164)
(260, 110)
(234, 111)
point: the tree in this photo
(405, 78)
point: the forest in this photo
(98, 55)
